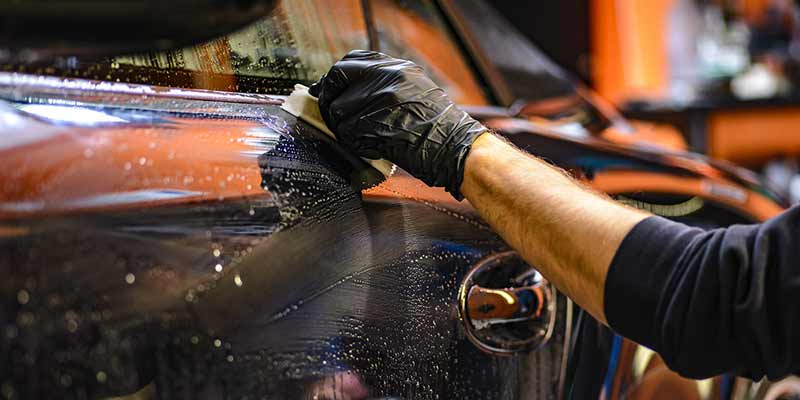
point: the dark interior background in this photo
(559, 28)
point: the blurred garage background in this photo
(723, 74)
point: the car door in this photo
(162, 242)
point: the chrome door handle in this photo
(506, 306)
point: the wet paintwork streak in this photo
(38, 83)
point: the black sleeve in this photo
(711, 302)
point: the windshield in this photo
(298, 41)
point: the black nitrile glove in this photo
(382, 107)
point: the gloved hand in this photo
(383, 107)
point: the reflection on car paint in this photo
(71, 115)
(177, 160)
(213, 249)
(78, 86)
(298, 286)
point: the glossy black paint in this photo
(321, 289)
(322, 292)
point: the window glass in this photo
(298, 41)
(416, 30)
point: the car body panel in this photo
(229, 256)
(199, 244)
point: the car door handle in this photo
(506, 306)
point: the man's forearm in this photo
(569, 233)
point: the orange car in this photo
(167, 231)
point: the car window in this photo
(298, 41)
(416, 30)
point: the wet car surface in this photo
(182, 243)
(258, 272)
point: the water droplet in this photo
(23, 297)
(127, 166)
(218, 268)
(217, 252)
(195, 340)
(217, 343)
(142, 161)
(72, 325)
(238, 280)
(130, 278)
(229, 358)
(101, 377)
